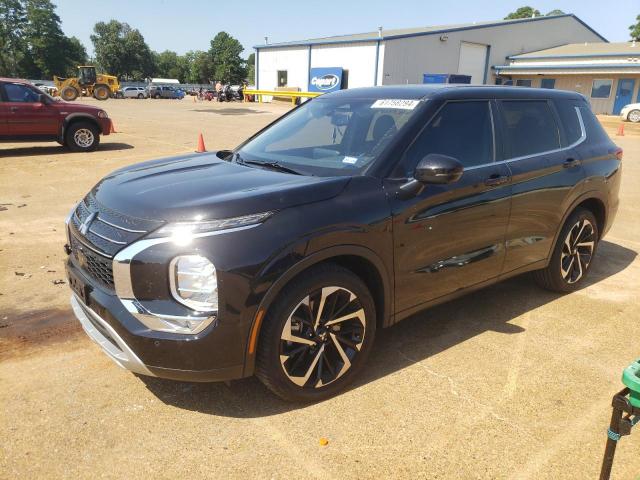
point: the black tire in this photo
(156, 96)
(140, 96)
(570, 263)
(327, 371)
(82, 137)
(634, 116)
(101, 92)
(69, 94)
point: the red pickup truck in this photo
(28, 114)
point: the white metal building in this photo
(403, 56)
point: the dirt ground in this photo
(510, 382)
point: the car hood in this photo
(204, 187)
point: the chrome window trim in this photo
(124, 288)
(582, 138)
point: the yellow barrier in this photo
(273, 93)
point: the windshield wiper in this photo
(272, 165)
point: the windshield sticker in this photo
(396, 103)
(350, 160)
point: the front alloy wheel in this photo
(317, 334)
(322, 337)
(634, 116)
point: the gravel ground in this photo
(509, 382)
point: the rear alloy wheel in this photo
(82, 137)
(572, 255)
(101, 92)
(634, 116)
(317, 335)
(140, 95)
(69, 94)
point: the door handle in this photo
(571, 162)
(495, 180)
(13, 109)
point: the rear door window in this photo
(462, 130)
(530, 127)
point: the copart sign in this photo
(325, 80)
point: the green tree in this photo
(75, 54)
(12, 24)
(251, 68)
(168, 65)
(228, 66)
(46, 46)
(202, 68)
(635, 30)
(121, 50)
(554, 12)
(523, 12)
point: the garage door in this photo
(473, 58)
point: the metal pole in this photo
(610, 449)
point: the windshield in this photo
(331, 136)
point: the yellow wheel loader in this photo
(88, 83)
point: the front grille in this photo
(97, 266)
(98, 233)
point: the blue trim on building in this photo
(375, 78)
(309, 66)
(257, 69)
(486, 64)
(585, 66)
(375, 37)
(576, 55)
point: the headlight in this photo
(183, 232)
(194, 282)
(102, 114)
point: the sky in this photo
(191, 24)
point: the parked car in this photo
(350, 213)
(631, 112)
(133, 92)
(165, 91)
(29, 114)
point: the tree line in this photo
(33, 45)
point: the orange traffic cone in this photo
(620, 130)
(201, 148)
(113, 128)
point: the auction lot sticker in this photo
(396, 103)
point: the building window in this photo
(523, 82)
(601, 88)
(282, 78)
(548, 83)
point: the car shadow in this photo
(411, 341)
(230, 111)
(58, 149)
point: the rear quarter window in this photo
(595, 132)
(530, 126)
(570, 122)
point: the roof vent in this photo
(266, 40)
(379, 32)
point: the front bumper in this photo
(107, 338)
(216, 354)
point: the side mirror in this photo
(434, 169)
(438, 169)
(43, 99)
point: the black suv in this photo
(283, 257)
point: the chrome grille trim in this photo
(107, 238)
(119, 227)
